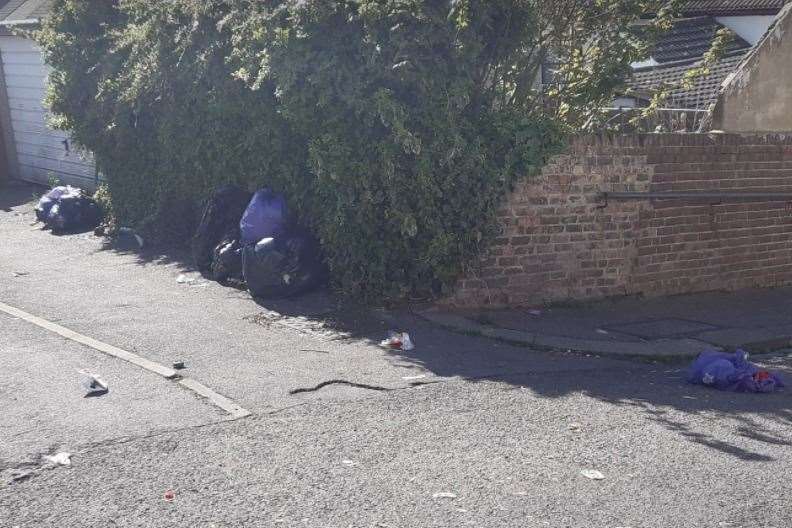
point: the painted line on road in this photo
(170, 374)
(217, 399)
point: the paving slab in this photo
(679, 326)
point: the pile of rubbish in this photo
(242, 237)
(732, 372)
(68, 209)
(249, 238)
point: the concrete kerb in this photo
(225, 404)
(663, 349)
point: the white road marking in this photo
(217, 399)
(200, 389)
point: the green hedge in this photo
(394, 127)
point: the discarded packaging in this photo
(184, 279)
(444, 495)
(592, 474)
(126, 239)
(169, 496)
(59, 459)
(732, 372)
(398, 341)
(93, 384)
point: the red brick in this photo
(555, 245)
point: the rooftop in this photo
(733, 7)
(18, 10)
(690, 38)
(704, 90)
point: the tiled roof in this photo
(690, 38)
(11, 10)
(700, 96)
(733, 7)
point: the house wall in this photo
(757, 97)
(749, 28)
(560, 240)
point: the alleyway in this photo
(461, 431)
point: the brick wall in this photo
(560, 240)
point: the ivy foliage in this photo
(394, 127)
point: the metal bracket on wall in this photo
(711, 197)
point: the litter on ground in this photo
(126, 239)
(398, 341)
(93, 384)
(252, 241)
(592, 474)
(732, 372)
(444, 495)
(66, 209)
(59, 459)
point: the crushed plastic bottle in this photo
(93, 384)
(398, 341)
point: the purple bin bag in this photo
(264, 217)
(732, 372)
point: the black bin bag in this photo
(68, 209)
(281, 267)
(227, 261)
(220, 221)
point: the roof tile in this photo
(704, 90)
(690, 38)
(733, 7)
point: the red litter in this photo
(169, 495)
(398, 341)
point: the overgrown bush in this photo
(394, 127)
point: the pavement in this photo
(681, 326)
(462, 431)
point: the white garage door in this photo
(42, 153)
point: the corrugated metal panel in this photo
(42, 153)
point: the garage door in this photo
(42, 153)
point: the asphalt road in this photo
(460, 432)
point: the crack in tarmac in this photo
(341, 382)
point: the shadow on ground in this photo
(16, 193)
(657, 390)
